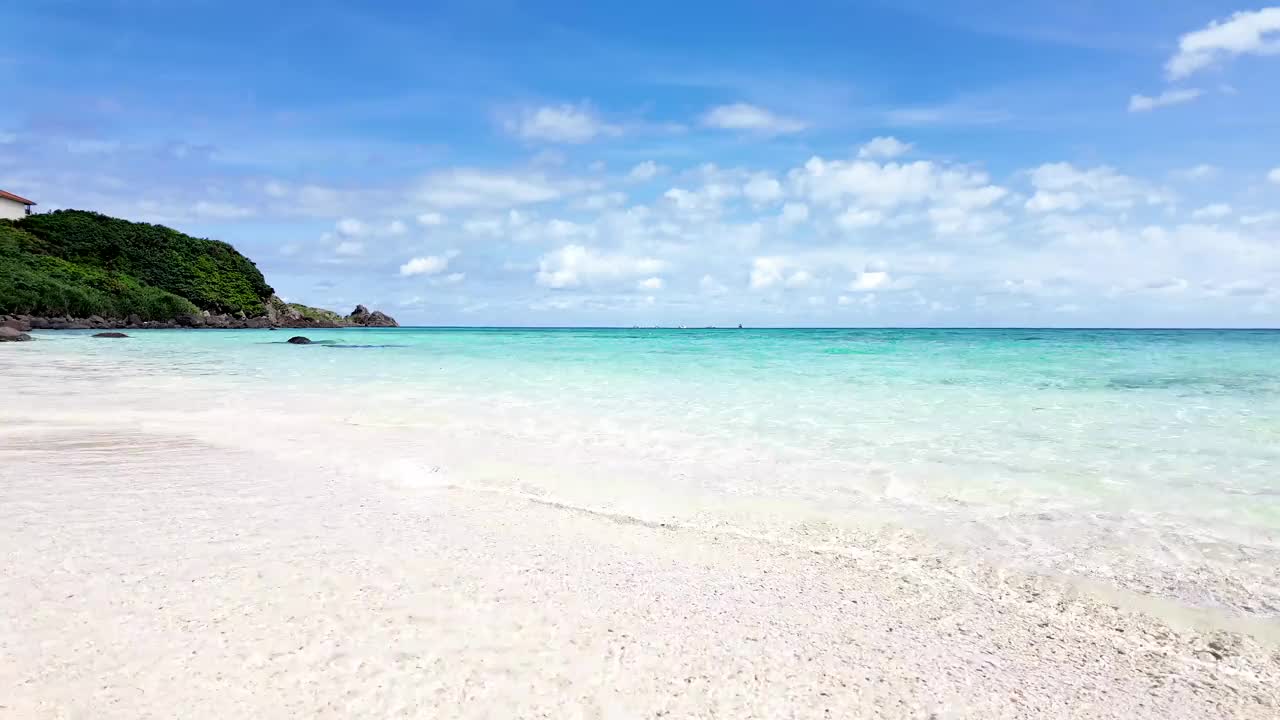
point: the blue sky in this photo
(803, 163)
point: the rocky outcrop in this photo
(8, 334)
(362, 317)
(279, 315)
(110, 335)
(299, 340)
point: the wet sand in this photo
(151, 573)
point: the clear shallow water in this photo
(1149, 459)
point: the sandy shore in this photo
(153, 574)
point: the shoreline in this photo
(280, 579)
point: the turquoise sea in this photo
(1145, 459)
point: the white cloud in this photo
(706, 201)
(427, 265)
(221, 211)
(560, 123)
(1062, 186)
(450, 279)
(602, 201)
(884, 147)
(653, 283)
(769, 272)
(349, 248)
(351, 227)
(574, 265)
(869, 280)
(1045, 201)
(1264, 218)
(467, 188)
(1199, 172)
(645, 171)
(1245, 32)
(491, 227)
(1274, 175)
(710, 286)
(830, 182)
(1212, 212)
(430, 219)
(1144, 103)
(762, 188)
(799, 279)
(397, 227)
(741, 116)
(855, 218)
(794, 213)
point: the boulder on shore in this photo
(8, 334)
(17, 323)
(299, 340)
(110, 335)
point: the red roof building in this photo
(14, 207)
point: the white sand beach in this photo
(154, 567)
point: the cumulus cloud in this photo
(1063, 186)
(794, 213)
(1274, 175)
(762, 188)
(349, 248)
(875, 276)
(1246, 32)
(1145, 103)
(856, 218)
(884, 148)
(645, 171)
(221, 211)
(1212, 212)
(430, 219)
(653, 283)
(351, 227)
(560, 124)
(742, 116)
(708, 285)
(468, 188)
(771, 272)
(874, 185)
(428, 265)
(575, 265)
(1198, 172)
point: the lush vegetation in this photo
(210, 274)
(34, 282)
(317, 314)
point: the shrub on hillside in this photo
(32, 283)
(209, 273)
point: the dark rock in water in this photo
(8, 334)
(299, 340)
(110, 335)
(273, 329)
(362, 316)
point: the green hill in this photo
(208, 273)
(33, 282)
(77, 264)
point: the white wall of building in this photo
(12, 210)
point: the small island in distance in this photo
(74, 269)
